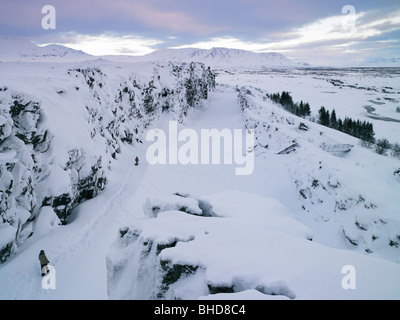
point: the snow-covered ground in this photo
(349, 91)
(197, 231)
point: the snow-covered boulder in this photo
(5, 127)
(47, 221)
(250, 248)
(7, 244)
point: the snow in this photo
(8, 155)
(222, 58)
(58, 181)
(269, 213)
(6, 234)
(377, 87)
(18, 49)
(258, 258)
(47, 221)
(167, 203)
(246, 255)
(284, 232)
(217, 58)
(381, 62)
(250, 294)
(3, 120)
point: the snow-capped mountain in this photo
(15, 49)
(222, 58)
(381, 62)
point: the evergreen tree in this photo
(283, 99)
(276, 97)
(356, 128)
(340, 125)
(370, 133)
(287, 101)
(366, 132)
(301, 109)
(307, 109)
(333, 120)
(347, 125)
(362, 131)
(324, 116)
(327, 118)
(321, 113)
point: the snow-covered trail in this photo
(222, 111)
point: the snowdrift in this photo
(250, 245)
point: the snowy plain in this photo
(284, 232)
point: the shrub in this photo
(396, 150)
(382, 146)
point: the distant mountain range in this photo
(381, 62)
(222, 58)
(14, 49)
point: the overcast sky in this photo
(309, 30)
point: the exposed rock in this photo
(37, 172)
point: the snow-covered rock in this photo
(7, 244)
(58, 139)
(46, 222)
(250, 246)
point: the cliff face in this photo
(59, 136)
